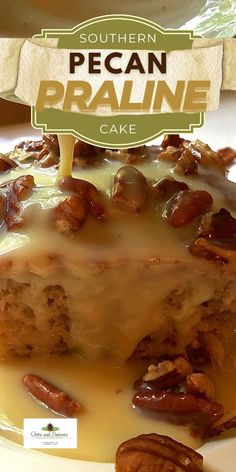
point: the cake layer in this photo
(100, 289)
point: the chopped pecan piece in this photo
(88, 193)
(51, 396)
(186, 164)
(6, 163)
(186, 205)
(51, 143)
(198, 354)
(47, 159)
(205, 156)
(23, 186)
(3, 207)
(179, 364)
(200, 383)
(16, 191)
(219, 227)
(181, 408)
(128, 156)
(31, 146)
(85, 150)
(228, 154)
(172, 140)
(130, 190)
(204, 248)
(69, 215)
(165, 374)
(170, 154)
(156, 453)
(167, 187)
(220, 428)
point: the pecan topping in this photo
(186, 205)
(156, 453)
(204, 248)
(172, 140)
(228, 154)
(6, 163)
(170, 154)
(200, 383)
(220, 428)
(130, 190)
(51, 396)
(51, 143)
(186, 164)
(216, 237)
(85, 150)
(3, 207)
(167, 187)
(17, 191)
(165, 374)
(205, 156)
(69, 215)
(87, 192)
(182, 408)
(129, 156)
(219, 227)
(31, 146)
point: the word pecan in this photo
(51, 396)
(130, 190)
(186, 205)
(156, 453)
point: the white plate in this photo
(220, 455)
(27, 17)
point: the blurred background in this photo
(24, 18)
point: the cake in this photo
(133, 256)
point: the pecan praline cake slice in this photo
(132, 256)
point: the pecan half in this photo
(130, 190)
(156, 453)
(187, 205)
(172, 140)
(69, 215)
(181, 408)
(167, 187)
(51, 396)
(200, 383)
(88, 192)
